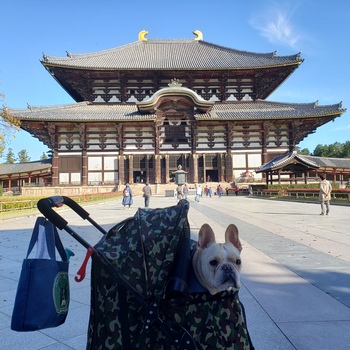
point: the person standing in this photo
(198, 193)
(209, 192)
(179, 192)
(219, 191)
(250, 190)
(325, 195)
(127, 196)
(185, 191)
(147, 193)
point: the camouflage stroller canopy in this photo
(142, 249)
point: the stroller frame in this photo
(178, 336)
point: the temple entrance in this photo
(139, 176)
(211, 176)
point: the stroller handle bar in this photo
(45, 206)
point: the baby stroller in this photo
(139, 278)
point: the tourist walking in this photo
(325, 195)
(127, 197)
(147, 193)
(209, 193)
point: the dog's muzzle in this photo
(228, 275)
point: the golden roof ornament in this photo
(199, 34)
(175, 83)
(142, 35)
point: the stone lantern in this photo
(180, 176)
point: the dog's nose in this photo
(227, 267)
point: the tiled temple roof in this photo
(82, 111)
(330, 162)
(20, 168)
(285, 159)
(262, 109)
(171, 54)
(258, 110)
(309, 161)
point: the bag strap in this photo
(53, 240)
(50, 239)
(39, 221)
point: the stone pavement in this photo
(296, 271)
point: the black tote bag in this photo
(42, 297)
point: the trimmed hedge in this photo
(14, 204)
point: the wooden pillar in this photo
(121, 169)
(194, 162)
(167, 175)
(55, 181)
(264, 138)
(147, 169)
(221, 164)
(84, 168)
(157, 166)
(131, 169)
(204, 169)
(228, 167)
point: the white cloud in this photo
(275, 25)
(345, 127)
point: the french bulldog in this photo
(217, 266)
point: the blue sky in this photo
(317, 29)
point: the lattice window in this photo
(175, 133)
(211, 161)
(139, 162)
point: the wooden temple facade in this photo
(144, 108)
(15, 176)
(293, 168)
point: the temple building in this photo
(144, 108)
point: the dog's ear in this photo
(231, 236)
(205, 236)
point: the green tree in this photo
(43, 156)
(320, 151)
(10, 157)
(346, 150)
(304, 151)
(23, 156)
(334, 150)
(8, 125)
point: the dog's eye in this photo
(213, 262)
(238, 262)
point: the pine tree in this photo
(10, 157)
(43, 156)
(23, 156)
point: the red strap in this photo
(82, 271)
